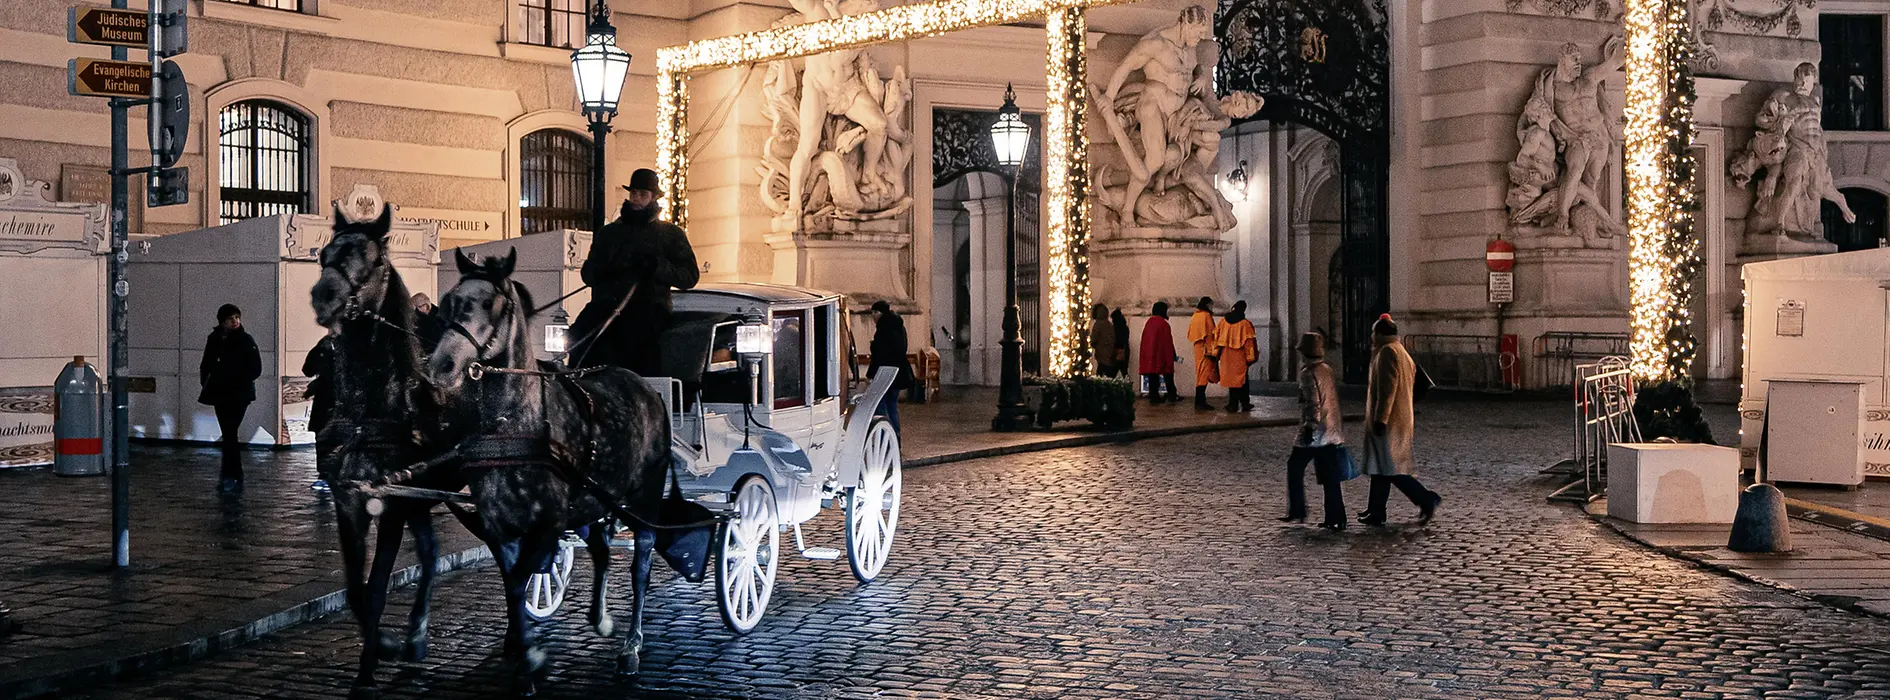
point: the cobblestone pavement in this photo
(1155, 570)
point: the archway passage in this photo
(1325, 64)
(970, 189)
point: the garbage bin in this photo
(78, 408)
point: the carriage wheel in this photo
(873, 505)
(545, 591)
(744, 573)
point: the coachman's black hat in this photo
(645, 179)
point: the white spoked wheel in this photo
(873, 505)
(545, 591)
(744, 573)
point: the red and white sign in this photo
(1499, 255)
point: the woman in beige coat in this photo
(1388, 412)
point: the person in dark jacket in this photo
(427, 325)
(1121, 325)
(633, 263)
(231, 364)
(1102, 341)
(889, 350)
(319, 367)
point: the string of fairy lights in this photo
(1067, 183)
(1663, 253)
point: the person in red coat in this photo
(1158, 355)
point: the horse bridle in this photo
(351, 307)
(477, 369)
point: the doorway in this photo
(969, 204)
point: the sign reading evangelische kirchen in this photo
(100, 78)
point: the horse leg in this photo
(388, 532)
(351, 525)
(426, 548)
(598, 542)
(533, 551)
(505, 554)
(630, 660)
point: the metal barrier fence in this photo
(1604, 413)
(1467, 362)
(1554, 355)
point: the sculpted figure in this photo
(1565, 116)
(833, 115)
(1175, 134)
(1789, 147)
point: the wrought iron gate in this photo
(1326, 64)
(961, 144)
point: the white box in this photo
(1812, 432)
(1672, 483)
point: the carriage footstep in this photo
(821, 553)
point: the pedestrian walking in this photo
(427, 325)
(319, 367)
(1102, 341)
(1158, 355)
(1391, 422)
(888, 349)
(1120, 325)
(1321, 440)
(228, 372)
(1235, 343)
(1201, 333)
(633, 264)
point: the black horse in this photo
(533, 433)
(380, 402)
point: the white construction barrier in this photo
(1672, 483)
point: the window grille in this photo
(1852, 72)
(554, 181)
(264, 155)
(559, 23)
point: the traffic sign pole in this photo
(120, 341)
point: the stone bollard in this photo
(1761, 525)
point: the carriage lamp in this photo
(753, 339)
(1010, 136)
(557, 332)
(1237, 183)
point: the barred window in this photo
(1851, 69)
(263, 151)
(290, 5)
(554, 181)
(552, 22)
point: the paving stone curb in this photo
(305, 603)
(1846, 603)
(178, 645)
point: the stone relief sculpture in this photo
(1564, 117)
(837, 150)
(1789, 149)
(1168, 125)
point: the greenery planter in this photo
(1103, 401)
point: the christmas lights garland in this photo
(1664, 252)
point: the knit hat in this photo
(225, 311)
(1384, 325)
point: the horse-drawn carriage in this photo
(763, 431)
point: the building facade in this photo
(463, 113)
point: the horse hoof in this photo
(629, 664)
(414, 651)
(605, 626)
(364, 692)
(527, 687)
(389, 645)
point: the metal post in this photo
(600, 129)
(120, 346)
(1012, 413)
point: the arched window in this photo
(1871, 226)
(554, 190)
(263, 151)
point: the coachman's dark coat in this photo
(635, 251)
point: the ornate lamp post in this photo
(1237, 183)
(599, 69)
(1010, 138)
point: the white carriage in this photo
(765, 431)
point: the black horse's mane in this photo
(497, 272)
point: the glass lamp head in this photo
(1010, 136)
(599, 67)
(1237, 183)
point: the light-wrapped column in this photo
(1066, 171)
(672, 144)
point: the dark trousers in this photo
(1238, 397)
(1155, 385)
(1325, 461)
(230, 421)
(1381, 491)
(889, 407)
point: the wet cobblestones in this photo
(1155, 570)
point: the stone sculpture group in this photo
(1565, 146)
(1789, 149)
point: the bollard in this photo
(1761, 525)
(78, 434)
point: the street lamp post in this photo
(1010, 138)
(599, 68)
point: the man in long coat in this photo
(1201, 334)
(1389, 413)
(639, 257)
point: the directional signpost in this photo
(158, 84)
